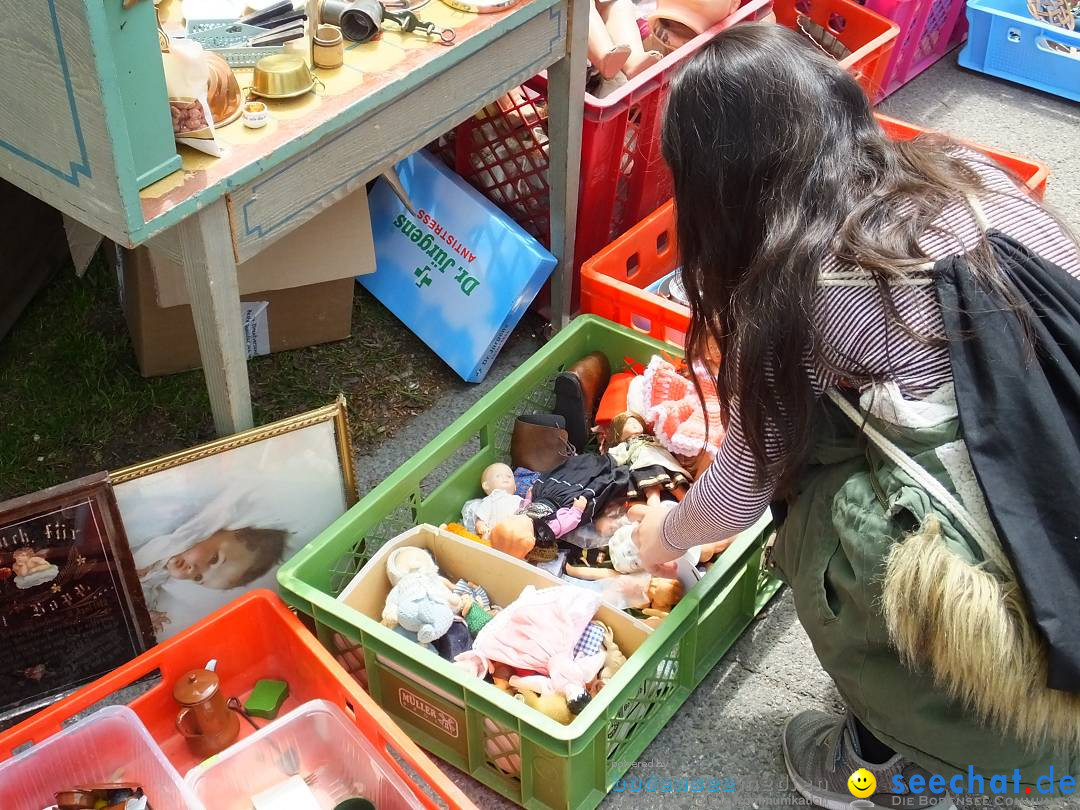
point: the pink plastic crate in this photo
(929, 29)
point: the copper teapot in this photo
(205, 720)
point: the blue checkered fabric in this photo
(591, 641)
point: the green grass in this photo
(72, 401)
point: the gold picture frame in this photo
(208, 523)
(336, 411)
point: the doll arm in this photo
(567, 519)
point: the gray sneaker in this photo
(821, 752)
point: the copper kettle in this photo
(205, 720)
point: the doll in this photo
(572, 494)
(614, 658)
(421, 603)
(615, 40)
(653, 469)
(499, 502)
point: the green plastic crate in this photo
(470, 723)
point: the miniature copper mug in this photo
(206, 722)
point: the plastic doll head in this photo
(514, 536)
(664, 594)
(498, 476)
(409, 560)
(609, 520)
(625, 426)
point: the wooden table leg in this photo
(210, 271)
(566, 106)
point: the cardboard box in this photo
(332, 245)
(459, 272)
(502, 576)
(275, 320)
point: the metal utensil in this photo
(278, 37)
(410, 23)
(256, 18)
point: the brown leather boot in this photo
(577, 395)
(539, 442)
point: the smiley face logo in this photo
(861, 783)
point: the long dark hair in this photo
(777, 161)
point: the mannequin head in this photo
(514, 535)
(498, 476)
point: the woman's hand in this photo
(656, 558)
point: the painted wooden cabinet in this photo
(85, 126)
(84, 120)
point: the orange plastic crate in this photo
(613, 281)
(869, 36)
(253, 637)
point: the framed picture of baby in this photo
(71, 608)
(210, 523)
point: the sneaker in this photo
(821, 752)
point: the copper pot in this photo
(205, 721)
(222, 91)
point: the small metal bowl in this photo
(282, 75)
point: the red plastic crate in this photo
(869, 36)
(613, 281)
(927, 32)
(623, 176)
(252, 637)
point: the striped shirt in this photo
(857, 337)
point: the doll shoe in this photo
(539, 442)
(641, 61)
(577, 395)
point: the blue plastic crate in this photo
(1005, 41)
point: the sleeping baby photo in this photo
(206, 531)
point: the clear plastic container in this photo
(111, 745)
(315, 741)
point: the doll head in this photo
(610, 519)
(409, 560)
(514, 535)
(625, 426)
(498, 476)
(664, 594)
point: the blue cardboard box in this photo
(459, 273)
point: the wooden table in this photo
(391, 98)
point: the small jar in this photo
(328, 47)
(255, 115)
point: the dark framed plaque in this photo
(71, 608)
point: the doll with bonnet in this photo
(653, 468)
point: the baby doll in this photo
(653, 469)
(615, 40)
(572, 494)
(500, 500)
(420, 602)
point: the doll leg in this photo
(620, 17)
(607, 57)
(652, 495)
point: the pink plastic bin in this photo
(111, 745)
(315, 739)
(929, 29)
